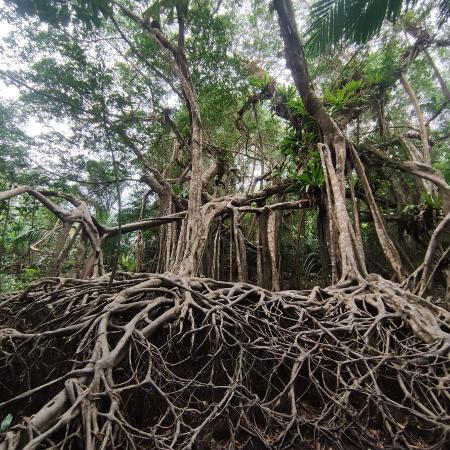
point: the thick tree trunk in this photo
(264, 266)
(64, 253)
(54, 268)
(351, 259)
(422, 127)
(139, 246)
(322, 224)
(273, 228)
(3, 238)
(194, 243)
(79, 270)
(386, 243)
(239, 245)
(190, 250)
(216, 266)
(333, 137)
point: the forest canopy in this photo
(233, 215)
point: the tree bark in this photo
(431, 250)
(322, 223)
(437, 74)
(60, 243)
(239, 245)
(273, 227)
(188, 261)
(422, 127)
(334, 141)
(264, 275)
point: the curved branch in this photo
(422, 127)
(431, 251)
(144, 224)
(418, 169)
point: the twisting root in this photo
(168, 362)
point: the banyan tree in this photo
(217, 338)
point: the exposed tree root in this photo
(176, 363)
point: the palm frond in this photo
(333, 22)
(443, 12)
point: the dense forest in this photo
(224, 224)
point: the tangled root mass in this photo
(159, 361)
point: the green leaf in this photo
(170, 17)
(63, 12)
(6, 422)
(429, 201)
(153, 11)
(335, 22)
(209, 437)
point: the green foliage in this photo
(181, 191)
(292, 100)
(304, 137)
(410, 211)
(30, 274)
(209, 47)
(127, 262)
(444, 164)
(291, 143)
(334, 22)
(344, 97)
(379, 67)
(209, 437)
(312, 176)
(6, 422)
(288, 92)
(260, 82)
(431, 202)
(81, 72)
(63, 12)
(13, 145)
(156, 8)
(296, 105)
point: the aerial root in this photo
(167, 362)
